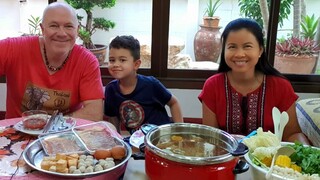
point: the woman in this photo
(240, 98)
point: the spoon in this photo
(284, 119)
(276, 120)
(283, 150)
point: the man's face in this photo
(59, 29)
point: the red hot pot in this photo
(222, 163)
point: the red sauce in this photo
(34, 123)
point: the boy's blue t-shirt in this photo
(146, 104)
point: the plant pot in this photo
(295, 64)
(207, 44)
(100, 52)
(211, 21)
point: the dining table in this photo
(12, 144)
(13, 166)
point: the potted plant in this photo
(209, 18)
(34, 26)
(206, 43)
(309, 26)
(92, 24)
(296, 55)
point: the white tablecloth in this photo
(136, 171)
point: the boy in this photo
(134, 99)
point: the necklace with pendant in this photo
(52, 68)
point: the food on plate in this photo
(304, 163)
(118, 152)
(102, 153)
(34, 119)
(60, 145)
(283, 161)
(190, 145)
(34, 123)
(96, 137)
(75, 164)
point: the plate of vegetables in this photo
(304, 163)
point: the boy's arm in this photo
(115, 121)
(175, 110)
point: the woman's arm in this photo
(292, 131)
(175, 109)
(208, 117)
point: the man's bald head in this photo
(60, 5)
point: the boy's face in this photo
(122, 64)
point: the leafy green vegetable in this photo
(306, 157)
(256, 161)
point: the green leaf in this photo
(92, 23)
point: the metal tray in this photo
(34, 153)
(69, 143)
(95, 136)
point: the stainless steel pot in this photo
(161, 164)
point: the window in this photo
(162, 24)
(301, 33)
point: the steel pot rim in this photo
(188, 159)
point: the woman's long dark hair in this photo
(252, 26)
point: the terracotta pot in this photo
(295, 64)
(207, 45)
(100, 52)
(211, 21)
(222, 164)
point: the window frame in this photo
(194, 79)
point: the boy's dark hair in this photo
(252, 26)
(127, 42)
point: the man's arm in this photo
(91, 110)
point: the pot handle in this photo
(241, 150)
(139, 155)
(145, 128)
(241, 167)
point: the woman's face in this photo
(242, 51)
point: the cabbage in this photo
(264, 152)
(262, 139)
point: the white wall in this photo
(9, 18)
(14, 16)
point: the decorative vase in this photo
(295, 64)
(206, 44)
(100, 53)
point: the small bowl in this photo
(34, 119)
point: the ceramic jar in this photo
(207, 44)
